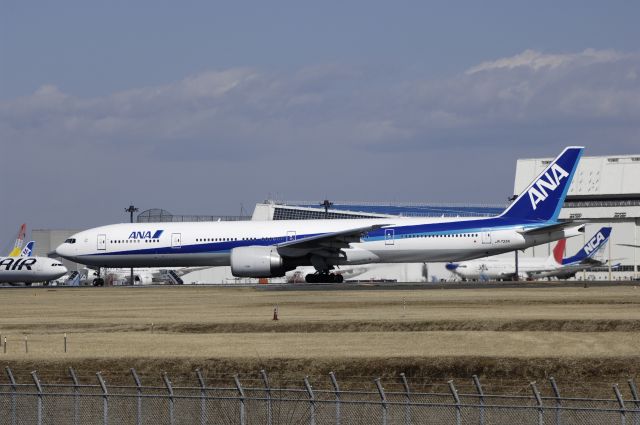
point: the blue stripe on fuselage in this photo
(428, 229)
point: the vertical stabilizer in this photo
(558, 251)
(17, 247)
(542, 200)
(593, 246)
(27, 251)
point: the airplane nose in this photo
(60, 251)
(64, 250)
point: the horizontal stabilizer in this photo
(628, 244)
(554, 228)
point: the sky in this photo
(207, 107)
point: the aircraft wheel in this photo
(339, 278)
(98, 282)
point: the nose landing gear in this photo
(324, 278)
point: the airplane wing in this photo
(628, 244)
(186, 270)
(328, 242)
(552, 227)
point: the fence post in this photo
(383, 400)
(536, 395)
(476, 382)
(105, 399)
(241, 392)
(76, 395)
(407, 394)
(312, 401)
(336, 391)
(14, 390)
(267, 389)
(616, 390)
(203, 399)
(138, 383)
(556, 393)
(167, 383)
(456, 399)
(636, 400)
(36, 381)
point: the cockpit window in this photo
(70, 240)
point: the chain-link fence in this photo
(97, 403)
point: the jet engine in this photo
(256, 261)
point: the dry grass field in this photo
(586, 334)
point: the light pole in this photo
(131, 210)
(516, 277)
(326, 204)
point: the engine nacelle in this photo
(256, 261)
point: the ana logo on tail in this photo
(538, 191)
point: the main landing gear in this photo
(324, 278)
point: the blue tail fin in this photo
(594, 245)
(27, 251)
(543, 198)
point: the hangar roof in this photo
(615, 176)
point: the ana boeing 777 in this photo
(271, 248)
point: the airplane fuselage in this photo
(30, 269)
(210, 243)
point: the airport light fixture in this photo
(131, 209)
(326, 204)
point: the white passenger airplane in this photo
(28, 270)
(494, 268)
(271, 248)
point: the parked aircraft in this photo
(495, 268)
(271, 248)
(30, 269)
(17, 246)
(27, 251)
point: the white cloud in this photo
(245, 113)
(537, 60)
